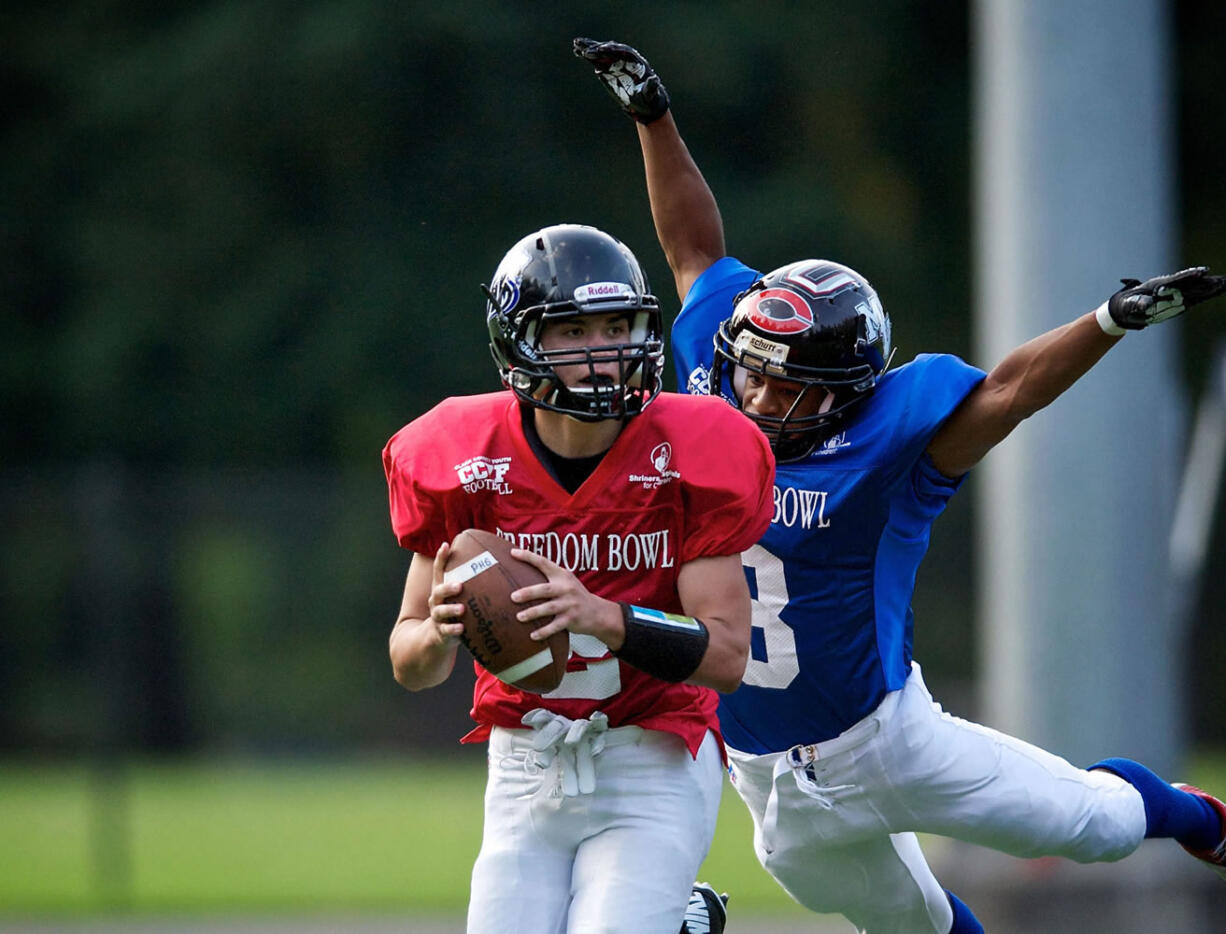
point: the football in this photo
(481, 561)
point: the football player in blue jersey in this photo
(834, 742)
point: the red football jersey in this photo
(689, 477)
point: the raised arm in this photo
(683, 208)
(1036, 373)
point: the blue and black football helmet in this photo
(566, 271)
(811, 322)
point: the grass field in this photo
(235, 836)
(225, 837)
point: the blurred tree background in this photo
(241, 244)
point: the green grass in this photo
(229, 837)
(225, 837)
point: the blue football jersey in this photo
(833, 576)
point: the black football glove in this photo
(1140, 304)
(627, 76)
(707, 912)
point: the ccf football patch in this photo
(484, 473)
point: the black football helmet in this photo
(812, 322)
(566, 271)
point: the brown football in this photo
(481, 561)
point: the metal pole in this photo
(1074, 190)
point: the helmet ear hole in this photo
(871, 354)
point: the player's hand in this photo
(627, 76)
(443, 610)
(571, 605)
(1140, 304)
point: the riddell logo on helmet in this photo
(595, 291)
(780, 312)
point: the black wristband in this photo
(664, 645)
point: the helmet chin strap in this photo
(594, 410)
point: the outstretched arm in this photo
(683, 208)
(1036, 373)
(1027, 379)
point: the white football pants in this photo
(835, 822)
(600, 836)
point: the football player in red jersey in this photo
(603, 794)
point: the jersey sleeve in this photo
(729, 486)
(940, 383)
(418, 515)
(708, 303)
